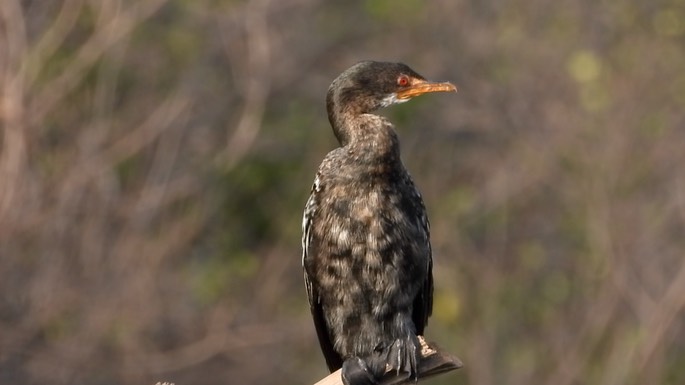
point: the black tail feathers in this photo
(356, 371)
(402, 357)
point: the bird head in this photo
(370, 85)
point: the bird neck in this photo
(369, 138)
(346, 108)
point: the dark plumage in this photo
(366, 247)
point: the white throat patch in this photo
(392, 99)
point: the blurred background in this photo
(156, 156)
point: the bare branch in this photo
(119, 26)
(13, 157)
(258, 82)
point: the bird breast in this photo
(370, 237)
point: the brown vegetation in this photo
(155, 156)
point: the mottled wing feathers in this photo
(333, 359)
(423, 304)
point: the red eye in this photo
(403, 81)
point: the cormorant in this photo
(366, 248)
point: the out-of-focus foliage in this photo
(156, 156)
